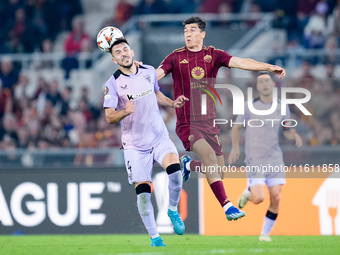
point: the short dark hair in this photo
(202, 24)
(119, 41)
(265, 72)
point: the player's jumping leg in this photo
(243, 199)
(204, 151)
(189, 166)
(173, 169)
(185, 159)
(145, 209)
(254, 193)
(271, 215)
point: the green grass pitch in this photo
(187, 244)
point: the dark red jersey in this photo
(193, 73)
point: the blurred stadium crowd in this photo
(43, 114)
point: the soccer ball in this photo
(107, 36)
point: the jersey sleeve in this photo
(168, 64)
(224, 57)
(156, 86)
(110, 94)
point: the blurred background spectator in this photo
(47, 102)
(73, 45)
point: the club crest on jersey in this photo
(148, 78)
(197, 72)
(106, 90)
(208, 58)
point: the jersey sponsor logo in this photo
(106, 90)
(208, 58)
(140, 95)
(184, 61)
(197, 72)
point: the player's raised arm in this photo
(163, 100)
(235, 151)
(180, 101)
(113, 116)
(252, 65)
(160, 73)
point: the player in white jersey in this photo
(264, 156)
(131, 97)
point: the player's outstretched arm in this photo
(113, 116)
(180, 101)
(235, 151)
(291, 134)
(160, 73)
(163, 100)
(252, 65)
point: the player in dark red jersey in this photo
(194, 66)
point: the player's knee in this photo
(275, 199)
(209, 159)
(258, 199)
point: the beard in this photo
(127, 66)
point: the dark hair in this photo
(202, 24)
(265, 72)
(118, 41)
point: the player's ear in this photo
(203, 34)
(132, 53)
(114, 61)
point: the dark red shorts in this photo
(190, 132)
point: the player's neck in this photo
(196, 48)
(128, 71)
(266, 99)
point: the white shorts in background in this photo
(139, 164)
(261, 174)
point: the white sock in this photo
(268, 225)
(187, 165)
(173, 208)
(154, 236)
(247, 193)
(175, 188)
(145, 210)
(227, 206)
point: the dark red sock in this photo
(196, 166)
(219, 192)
